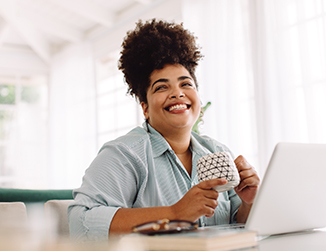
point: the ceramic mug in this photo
(218, 166)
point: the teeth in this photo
(177, 107)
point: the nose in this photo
(177, 93)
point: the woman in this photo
(150, 173)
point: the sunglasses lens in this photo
(179, 225)
(148, 227)
(161, 227)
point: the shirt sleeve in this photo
(111, 182)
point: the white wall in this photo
(21, 62)
(112, 39)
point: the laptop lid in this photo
(292, 195)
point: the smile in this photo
(177, 107)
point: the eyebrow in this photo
(164, 80)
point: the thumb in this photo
(209, 184)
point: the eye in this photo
(187, 84)
(159, 88)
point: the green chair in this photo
(33, 195)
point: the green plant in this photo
(195, 127)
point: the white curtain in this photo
(263, 71)
(72, 116)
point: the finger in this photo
(240, 159)
(209, 184)
(248, 182)
(210, 213)
(211, 194)
(211, 203)
(249, 189)
(206, 206)
(241, 163)
(246, 173)
(210, 209)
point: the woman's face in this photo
(172, 100)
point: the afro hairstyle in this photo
(152, 45)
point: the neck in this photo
(180, 144)
(179, 141)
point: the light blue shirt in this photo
(138, 170)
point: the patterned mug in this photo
(217, 166)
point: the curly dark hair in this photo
(151, 46)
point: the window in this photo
(302, 30)
(263, 71)
(117, 111)
(225, 74)
(23, 131)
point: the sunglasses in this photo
(164, 226)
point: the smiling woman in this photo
(172, 107)
(150, 173)
(173, 103)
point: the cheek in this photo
(156, 102)
(198, 109)
(196, 102)
(153, 106)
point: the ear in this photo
(144, 106)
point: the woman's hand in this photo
(198, 201)
(249, 181)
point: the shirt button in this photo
(203, 225)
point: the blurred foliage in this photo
(28, 94)
(195, 128)
(7, 94)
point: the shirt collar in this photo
(159, 144)
(198, 150)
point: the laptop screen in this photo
(292, 195)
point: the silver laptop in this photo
(292, 195)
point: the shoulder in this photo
(127, 152)
(134, 145)
(133, 139)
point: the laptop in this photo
(292, 194)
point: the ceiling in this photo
(45, 26)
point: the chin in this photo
(182, 126)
